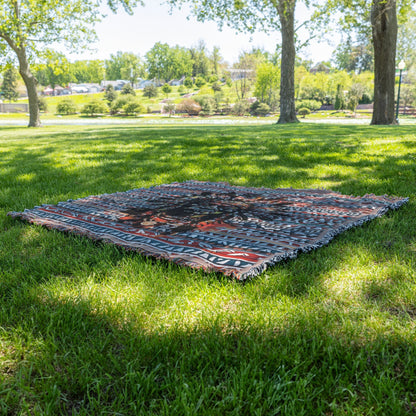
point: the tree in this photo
(66, 106)
(150, 91)
(128, 89)
(167, 63)
(408, 96)
(354, 57)
(354, 96)
(9, 85)
(406, 41)
(125, 65)
(94, 107)
(207, 103)
(384, 29)
(381, 18)
(133, 107)
(200, 61)
(188, 82)
(110, 94)
(340, 99)
(265, 14)
(54, 71)
(267, 84)
(28, 27)
(166, 89)
(87, 71)
(169, 107)
(216, 61)
(245, 71)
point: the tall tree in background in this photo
(406, 41)
(200, 64)
(27, 27)
(88, 71)
(216, 61)
(167, 63)
(9, 85)
(248, 15)
(124, 65)
(384, 29)
(56, 71)
(244, 71)
(354, 56)
(380, 17)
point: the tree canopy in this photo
(251, 15)
(166, 63)
(29, 27)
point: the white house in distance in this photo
(86, 88)
(117, 84)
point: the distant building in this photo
(85, 88)
(177, 82)
(147, 82)
(320, 67)
(236, 73)
(117, 84)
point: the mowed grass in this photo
(90, 329)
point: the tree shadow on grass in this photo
(75, 356)
(88, 328)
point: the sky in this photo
(153, 23)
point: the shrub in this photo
(188, 82)
(110, 94)
(260, 109)
(366, 99)
(150, 91)
(181, 89)
(133, 107)
(328, 100)
(219, 98)
(42, 104)
(199, 82)
(66, 106)
(94, 107)
(354, 96)
(213, 78)
(166, 89)
(216, 86)
(240, 108)
(169, 107)
(312, 105)
(128, 89)
(304, 111)
(228, 81)
(339, 99)
(117, 105)
(207, 103)
(190, 106)
(127, 104)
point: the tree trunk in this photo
(30, 82)
(286, 9)
(384, 27)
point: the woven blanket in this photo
(235, 230)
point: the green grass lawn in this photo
(90, 329)
(153, 104)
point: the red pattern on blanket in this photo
(235, 230)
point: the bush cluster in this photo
(66, 106)
(94, 107)
(126, 104)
